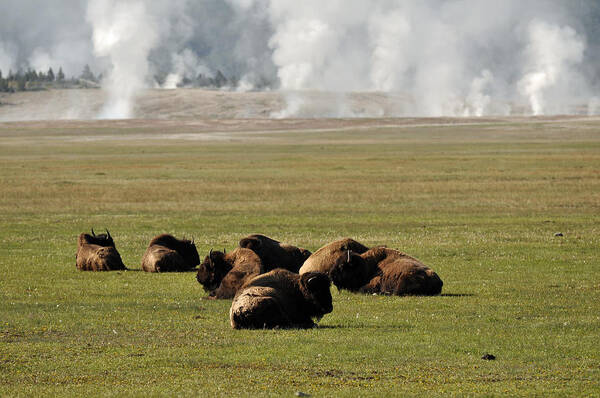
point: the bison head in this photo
(253, 243)
(101, 239)
(303, 255)
(187, 250)
(315, 287)
(350, 272)
(212, 270)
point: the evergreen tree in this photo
(220, 80)
(50, 75)
(21, 81)
(61, 76)
(87, 74)
(30, 75)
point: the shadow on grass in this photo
(457, 295)
(169, 272)
(363, 326)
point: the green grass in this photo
(479, 203)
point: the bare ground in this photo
(208, 115)
(85, 104)
(192, 104)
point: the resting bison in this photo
(344, 253)
(222, 274)
(399, 274)
(166, 253)
(274, 254)
(97, 253)
(281, 298)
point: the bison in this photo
(97, 253)
(222, 274)
(281, 299)
(274, 254)
(166, 253)
(340, 255)
(399, 274)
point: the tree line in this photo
(32, 80)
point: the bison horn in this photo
(313, 283)
(224, 252)
(348, 255)
(93, 234)
(108, 234)
(193, 240)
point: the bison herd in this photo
(273, 284)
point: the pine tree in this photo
(61, 76)
(50, 75)
(220, 80)
(87, 74)
(21, 82)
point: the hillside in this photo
(203, 104)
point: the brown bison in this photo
(281, 299)
(342, 254)
(97, 253)
(166, 253)
(222, 274)
(274, 254)
(398, 273)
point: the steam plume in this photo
(553, 54)
(432, 57)
(125, 33)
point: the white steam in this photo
(553, 54)
(185, 64)
(478, 102)
(413, 58)
(456, 58)
(125, 33)
(388, 33)
(6, 58)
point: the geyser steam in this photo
(125, 33)
(420, 58)
(553, 54)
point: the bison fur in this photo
(341, 261)
(275, 254)
(165, 253)
(281, 299)
(399, 274)
(97, 253)
(222, 274)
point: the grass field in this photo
(478, 201)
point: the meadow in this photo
(480, 201)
